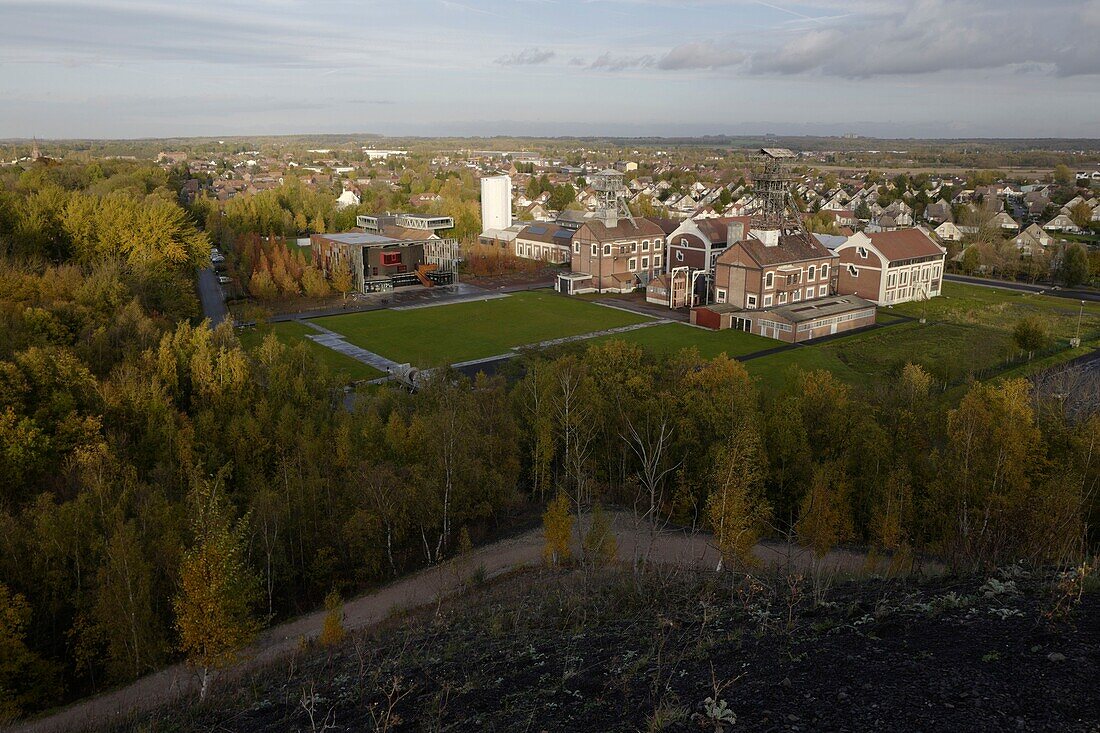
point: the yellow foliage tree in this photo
(824, 519)
(332, 631)
(217, 589)
(557, 524)
(342, 278)
(736, 510)
(600, 545)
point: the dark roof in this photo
(623, 229)
(717, 228)
(792, 247)
(546, 232)
(811, 310)
(667, 225)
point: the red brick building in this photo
(891, 267)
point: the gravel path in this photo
(419, 589)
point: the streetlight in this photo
(1076, 340)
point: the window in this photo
(822, 291)
(645, 245)
(853, 271)
(656, 260)
(656, 243)
(891, 280)
(750, 301)
(632, 264)
(683, 241)
(824, 271)
(593, 249)
(862, 252)
(812, 274)
(633, 246)
(606, 250)
(769, 279)
(645, 263)
(721, 295)
(796, 296)
(904, 277)
(391, 258)
(679, 255)
(767, 300)
(782, 298)
(809, 293)
(576, 248)
(936, 271)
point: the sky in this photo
(885, 68)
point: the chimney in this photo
(735, 232)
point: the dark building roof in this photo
(811, 310)
(547, 232)
(623, 229)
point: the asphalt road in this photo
(212, 297)
(1024, 287)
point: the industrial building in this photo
(379, 263)
(496, 202)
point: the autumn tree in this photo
(736, 509)
(1073, 267)
(343, 281)
(600, 545)
(26, 681)
(217, 588)
(332, 630)
(557, 526)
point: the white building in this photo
(496, 202)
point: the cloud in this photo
(610, 62)
(932, 36)
(526, 57)
(700, 55)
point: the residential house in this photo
(1062, 223)
(949, 232)
(1003, 221)
(1032, 239)
(890, 267)
(938, 212)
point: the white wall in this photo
(496, 202)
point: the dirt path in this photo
(421, 588)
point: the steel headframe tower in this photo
(611, 192)
(775, 208)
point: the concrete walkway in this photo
(336, 342)
(451, 301)
(555, 342)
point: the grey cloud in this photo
(610, 62)
(700, 55)
(526, 57)
(931, 36)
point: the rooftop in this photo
(813, 309)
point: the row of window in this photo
(835, 319)
(632, 263)
(812, 273)
(902, 278)
(623, 248)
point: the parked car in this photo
(224, 280)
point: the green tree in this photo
(736, 509)
(26, 681)
(1063, 176)
(557, 526)
(1073, 269)
(1081, 214)
(1030, 335)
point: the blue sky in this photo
(939, 68)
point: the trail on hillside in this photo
(636, 541)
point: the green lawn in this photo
(772, 371)
(1000, 309)
(670, 338)
(447, 334)
(291, 333)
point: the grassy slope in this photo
(291, 333)
(452, 333)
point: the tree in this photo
(863, 211)
(217, 589)
(557, 525)
(1030, 335)
(736, 510)
(342, 278)
(1081, 214)
(1073, 270)
(971, 259)
(332, 631)
(1063, 176)
(600, 546)
(26, 681)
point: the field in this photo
(291, 333)
(669, 338)
(446, 334)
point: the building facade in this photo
(612, 255)
(891, 267)
(496, 202)
(770, 268)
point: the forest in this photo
(151, 468)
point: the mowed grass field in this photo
(291, 333)
(447, 334)
(670, 338)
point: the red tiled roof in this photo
(904, 244)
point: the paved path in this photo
(336, 342)
(211, 296)
(385, 301)
(451, 301)
(419, 589)
(1050, 290)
